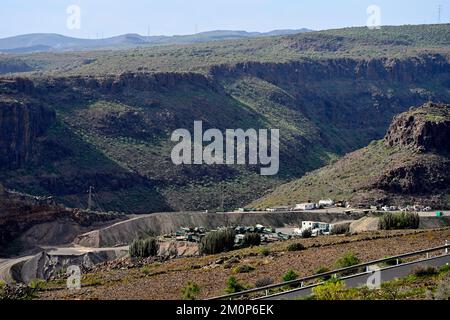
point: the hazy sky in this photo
(168, 17)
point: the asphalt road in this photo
(7, 264)
(386, 274)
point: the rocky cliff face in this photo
(423, 175)
(410, 166)
(22, 121)
(416, 177)
(388, 69)
(115, 84)
(112, 131)
(423, 129)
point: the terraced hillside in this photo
(111, 113)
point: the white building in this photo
(305, 206)
(317, 228)
(326, 202)
(315, 225)
(309, 225)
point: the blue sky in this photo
(169, 17)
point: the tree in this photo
(143, 248)
(217, 241)
(251, 239)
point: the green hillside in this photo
(355, 43)
(328, 93)
(402, 173)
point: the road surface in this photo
(7, 264)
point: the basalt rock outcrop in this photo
(388, 69)
(116, 84)
(423, 129)
(410, 166)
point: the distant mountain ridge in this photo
(50, 42)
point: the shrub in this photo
(347, 260)
(424, 271)
(2, 286)
(445, 268)
(37, 285)
(290, 276)
(146, 270)
(399, 220)
(143, 248)
(190, 291)
(251, 239)
(264, 282)
(264, 251)
(342, 228)
(442, 291)
(390, 290)
(244, 268)
(17, 292)
(332, 289)
(307, 233)
(296, 246)
(233, 286)
(217, 241)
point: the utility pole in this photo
(90, 198)
(222, 200)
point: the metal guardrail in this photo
(331, 273)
